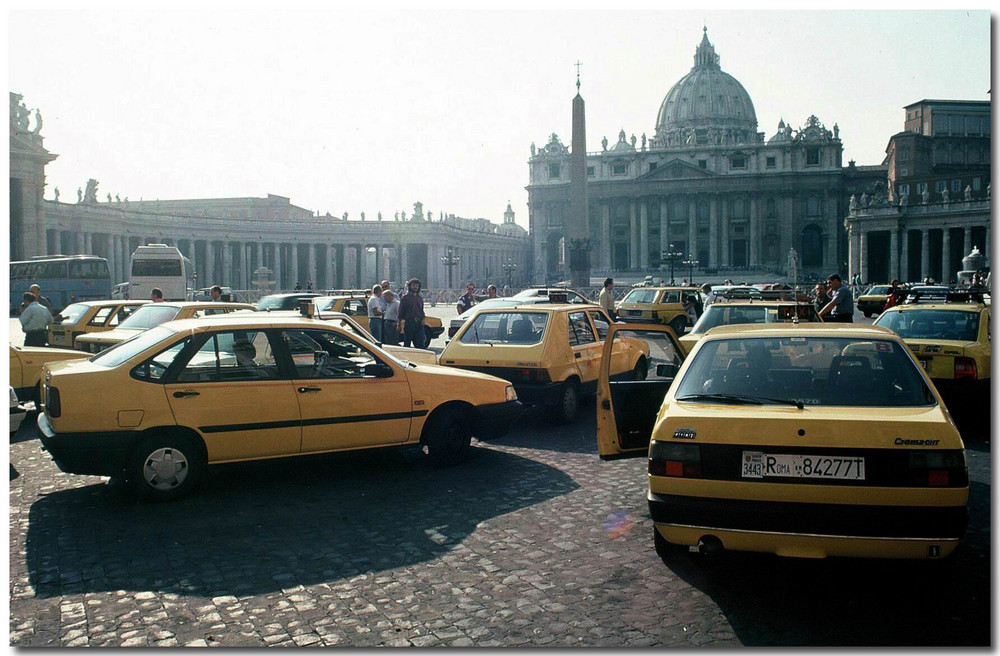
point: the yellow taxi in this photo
(89, 317)
(802, 440)
(728, 313)
(26, 364)
(551, 353)
(951, 340)
(151, 315)
(187, 394)
(872, 301)
(355, 305)
(658, 304)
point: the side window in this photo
(156, 367)
(576, 299)
(327, 354)
(100, 317)
(122, 314)
(601, 323)
(239, 355)
(580, 331)
(210, 311)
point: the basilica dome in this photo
(706, 105)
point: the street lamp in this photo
(451, 261)
(692, 263)
(509, 267)
(671, 256)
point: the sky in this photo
(359, 109)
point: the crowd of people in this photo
(393, 317)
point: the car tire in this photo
(166, 467)
(427, 337)
(868, 315)
(665, 549)
(641, 369)
(449, 438)
(569, 403)
(678, 325)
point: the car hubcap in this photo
(165, 469)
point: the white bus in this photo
(159, 265)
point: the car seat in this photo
(521, 331)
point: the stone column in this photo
(693, 230)
(852, 251)
(126, 258)
(754, 232)
(664, 226)
(986, 246)
(79, 244)
(606, 244)
(725, 219)
(404, 274)
(312, 266)
(259, 252)
(643, 234)
(88, 243)
(967, 241)
(863, 250)
(893, 254)
(113, 260)
(209, 265)
(278, 278)
(946, 256)
(227, 265)
(245, 265)
(633, 227)
(713, 233)
(904, 256)
(925, 253)
(295, 265)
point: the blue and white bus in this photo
(64, 279)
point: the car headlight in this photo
(510, 394)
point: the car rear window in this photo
(817, 371)
(518, 328)
(646, 296)
(149, 316)
(128, 349)
(724, 315)
(932, 324)
(72, 313)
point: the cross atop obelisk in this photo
(578, 64)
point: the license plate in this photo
(757, 464)
(635, 313)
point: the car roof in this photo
(858, 331)
(247, 321)
(204, 304)
(751, 302)
(286, 294)
(107, 302)
(546, 307)
(961, 307)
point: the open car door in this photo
(627, 404)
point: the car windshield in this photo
(816, 371)
(721, 314)
(519, 328)
(72, 313)
(274, 303)
(325, 304)
(128, 349)
(489, 303)
(646, 296)
(932, 324)
(878, 291)
(149, 316)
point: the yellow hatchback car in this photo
(657, 304)
(152, 315)
(952, 342)
(356, 307)
(551, 353)
(187, 394)
(798, 440)
(89, 317)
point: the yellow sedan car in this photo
(26, 364)
(151, 315)
(800, 440)
(89, 317)
(187, 394)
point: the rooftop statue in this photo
(604, 143)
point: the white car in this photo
(17, 412)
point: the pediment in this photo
(677, 169)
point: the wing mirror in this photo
(667, 369)
(378, 370)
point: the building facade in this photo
(707, 186)
(230, 239)
(937, 205)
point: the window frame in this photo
(575, 333)
(196, 342)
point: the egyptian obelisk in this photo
(579, 230)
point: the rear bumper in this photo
(497, 418)
(99, 454)
(539, 394)
(816, 519)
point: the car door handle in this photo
(304, 390)
(178, 395)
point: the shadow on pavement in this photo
(845, 602)
(261, 527)
(538, 429)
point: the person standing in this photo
(411, 312)
(390, 322)
(822, 298)
(491, 291)
(34, 320)
(156, 295)
(468, 299)
(35, 291)
(215, 293)
(376, 311)
(840, 309)
(606, 300)
(895, 295)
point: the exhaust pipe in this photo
(709, 544)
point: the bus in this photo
(159, 265)
(64, 279)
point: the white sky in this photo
(367, 110)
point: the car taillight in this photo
(52, 405)
(965, 368)
(938, 469)
(533, 376)
(674, 460)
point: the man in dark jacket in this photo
(411, 313)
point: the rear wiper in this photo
(741, 399)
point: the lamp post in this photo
(451, 261)
(671, 256)
(509, 267)
(692, 263)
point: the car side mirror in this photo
(667, 369)
(378, 370)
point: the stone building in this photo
(228, 239)
(937, 205)
(706, 184)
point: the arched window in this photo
(812, 246)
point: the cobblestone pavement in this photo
(533, 542)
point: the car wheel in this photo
(569, 403)
(427, 337)
(868, 315)
(665, 549)
(449, 438)
(641, 369)
(166, 467)
(678, 325)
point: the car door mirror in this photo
(667, 369)
(378, 370)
